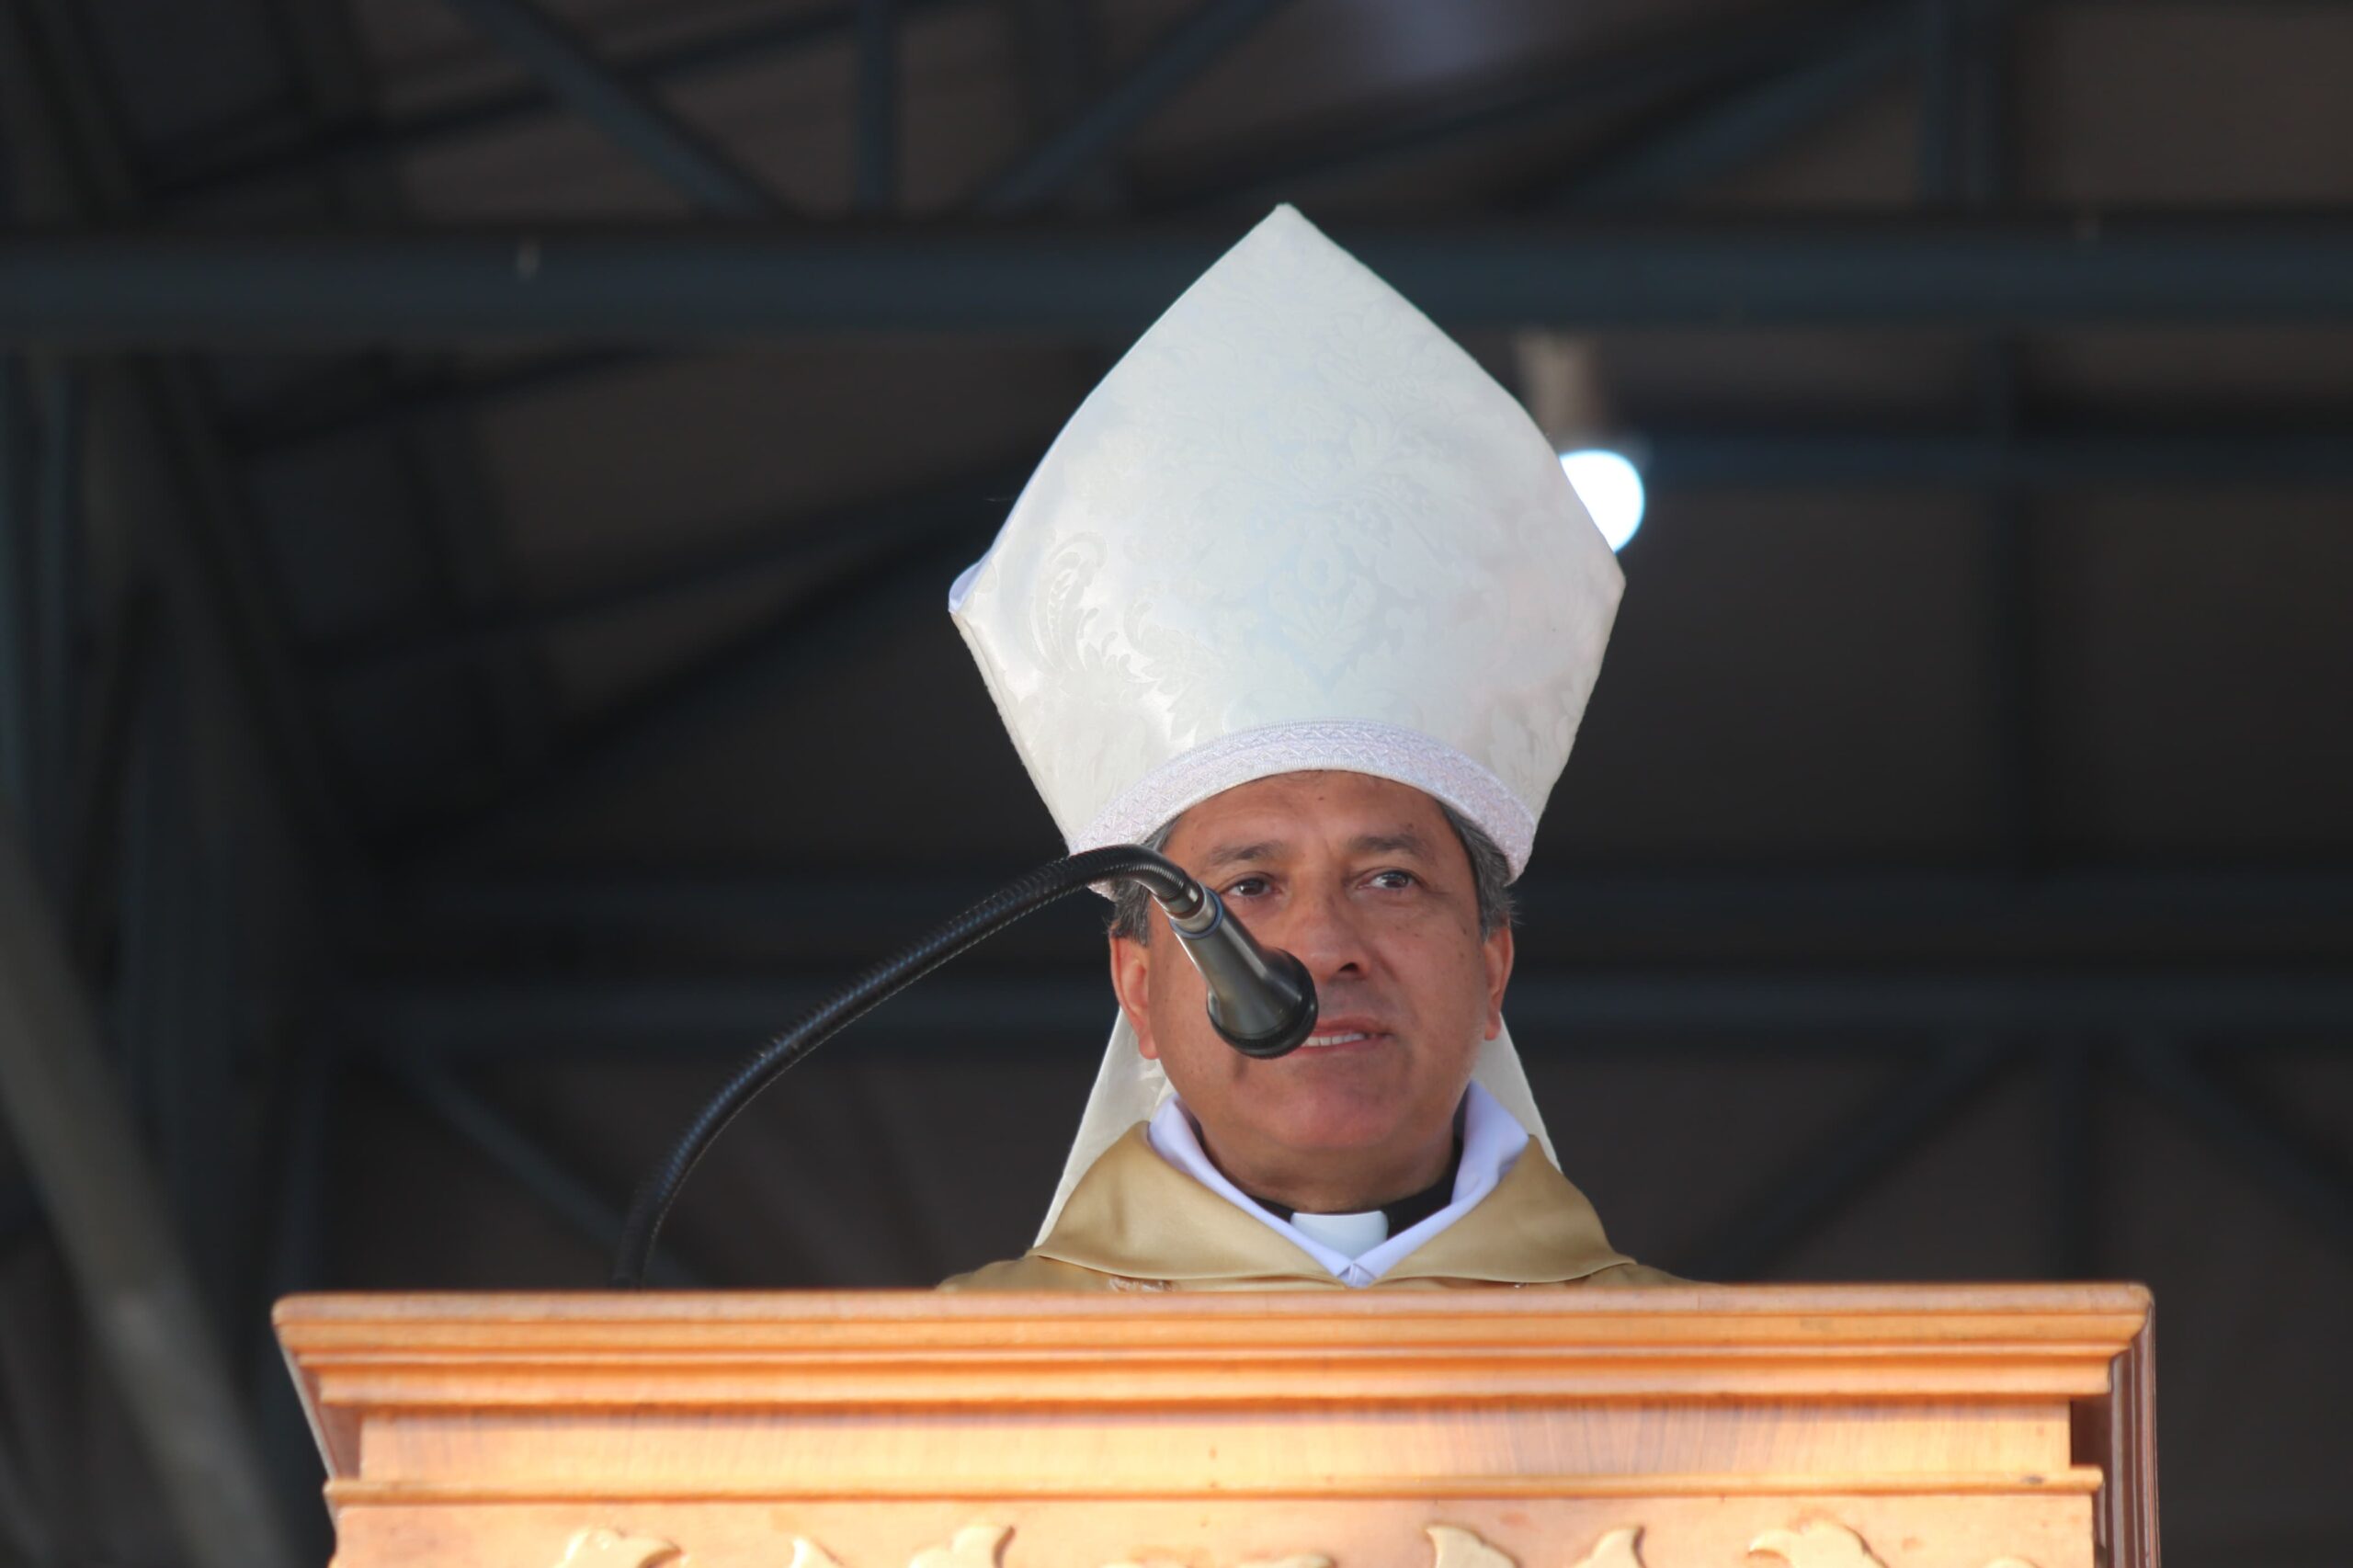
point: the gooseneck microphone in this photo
(1262, 1003)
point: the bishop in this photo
(1302, 597)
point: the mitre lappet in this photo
(1296, 528)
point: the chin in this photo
(1336, 1127)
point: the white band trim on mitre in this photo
(1384, 751)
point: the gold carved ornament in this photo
(1811, 1543)
(601, 1548)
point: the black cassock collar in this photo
(1403, 1213)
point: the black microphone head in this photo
(1295, 990)
(1261, 1000)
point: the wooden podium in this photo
(1686, 1427)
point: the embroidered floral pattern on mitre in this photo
(1296, 515)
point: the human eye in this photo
(1251, 886)
(1393, 880)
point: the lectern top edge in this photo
(2097, 1299)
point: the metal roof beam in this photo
(153, 417)
(1673, 463)
(366, 144)
(1610, 79)
(447, 509)
(2303, 1178)
(2271, 457)
(20, 1218)
(561, 1191)
(567, 1016)
(932, 534)
(1396, 133)
(2061, 914)
(334, 404)
(1677, 923)
(699, 283)
(1964, 100)
(874, 176)
(843, 622)
(20, 608)
(635, 120)
(1745, 126)
(1178, 59)
(905, 520)
(141, 1295)
(1841, 1165)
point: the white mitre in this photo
(1296, 528)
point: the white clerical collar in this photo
(1350, 1236)
(1492, 1141)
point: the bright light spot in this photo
(1611, 489)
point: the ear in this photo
(1497, 950)
(1131, 978)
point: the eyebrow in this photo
(1231, 854)
(1403, 841)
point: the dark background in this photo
(456, 696)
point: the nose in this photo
(1319, 927)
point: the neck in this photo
(1327, 1184)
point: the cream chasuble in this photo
(1136, 1222)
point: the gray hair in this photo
(1490, 879)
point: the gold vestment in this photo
(1136, 1222)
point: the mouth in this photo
(1340, 1035)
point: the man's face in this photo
(1367, 883)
